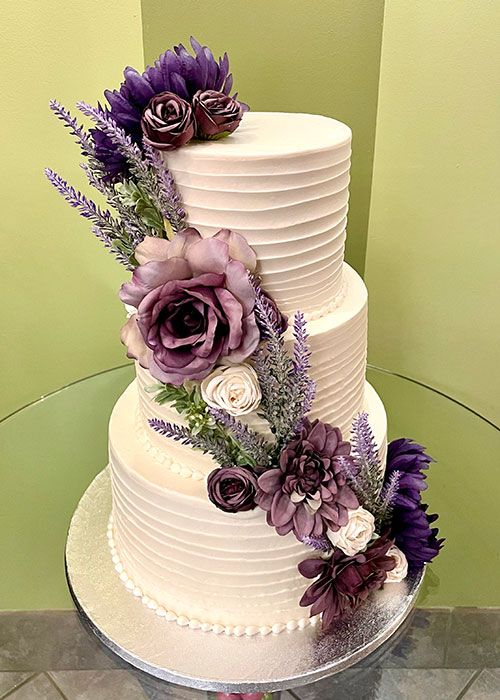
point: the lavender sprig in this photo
(287, 390)
(387, 500)
(320, 544)
(168, 196)
(83, 138)
(142, 168)
(366, 458)
(207, 443)
(134, 225)
(251, 443)
(304, 387)
(108, 229)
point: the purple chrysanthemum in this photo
(308, 493)
(345, 581)
(176, 71)
(411, 525)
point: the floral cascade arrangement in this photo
(217, 344)
(179, 98)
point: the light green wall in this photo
(292, 55)
(59, 311)
(433, 259)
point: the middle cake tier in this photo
(337, 342)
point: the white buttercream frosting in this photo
(281, 180)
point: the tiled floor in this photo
(439, 655)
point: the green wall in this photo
(433, 259)
(317, 56)
(59, 312)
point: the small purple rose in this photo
(215, 114)
(232, 489)
(167, 122)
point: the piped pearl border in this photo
(161, 456)
(329, 308)
(183, 621)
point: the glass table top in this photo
(51, 450)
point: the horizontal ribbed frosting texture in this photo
(281, 180)
(187, 555)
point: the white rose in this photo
(401, 569)
(234, 388)
(355, 535)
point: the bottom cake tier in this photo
(191, 562)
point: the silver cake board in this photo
(204, 660)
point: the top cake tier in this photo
(281, 180)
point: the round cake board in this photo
(204, 660)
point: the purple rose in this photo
(232, 489)
(195, 305)
(308, 493)
(167, 122)
(215, 113)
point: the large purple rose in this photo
(168, 122)
(308, 493)
(232, 489)
(216, 113)
(195, 305)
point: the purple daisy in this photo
(411, 524)
(308, 493)
(176, 71)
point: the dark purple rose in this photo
(167, 122)
(215, 113)
(232, 489)
(411, 525)
(308, 493)
(344, 582)
(176, 71)
(195, 305)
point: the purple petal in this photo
(208, 255)
(282, 509)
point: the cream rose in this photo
(401, 569)
(234, 388)
(355, 535)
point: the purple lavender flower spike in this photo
(83, 138)
(250, 441)
(320, 544)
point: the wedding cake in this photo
(249, 454)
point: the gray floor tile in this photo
(389, 684)
(486, 686)
(474, 639)
(420, 643)
(10, 680)
(98, 685)
(40, 688)
(41, 640)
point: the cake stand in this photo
(204, 660)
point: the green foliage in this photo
(133, 196)
(188, 402)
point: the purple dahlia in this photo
(308, 492)
(411, 525)
(343, 582)
(176, 71)
(194, 302)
